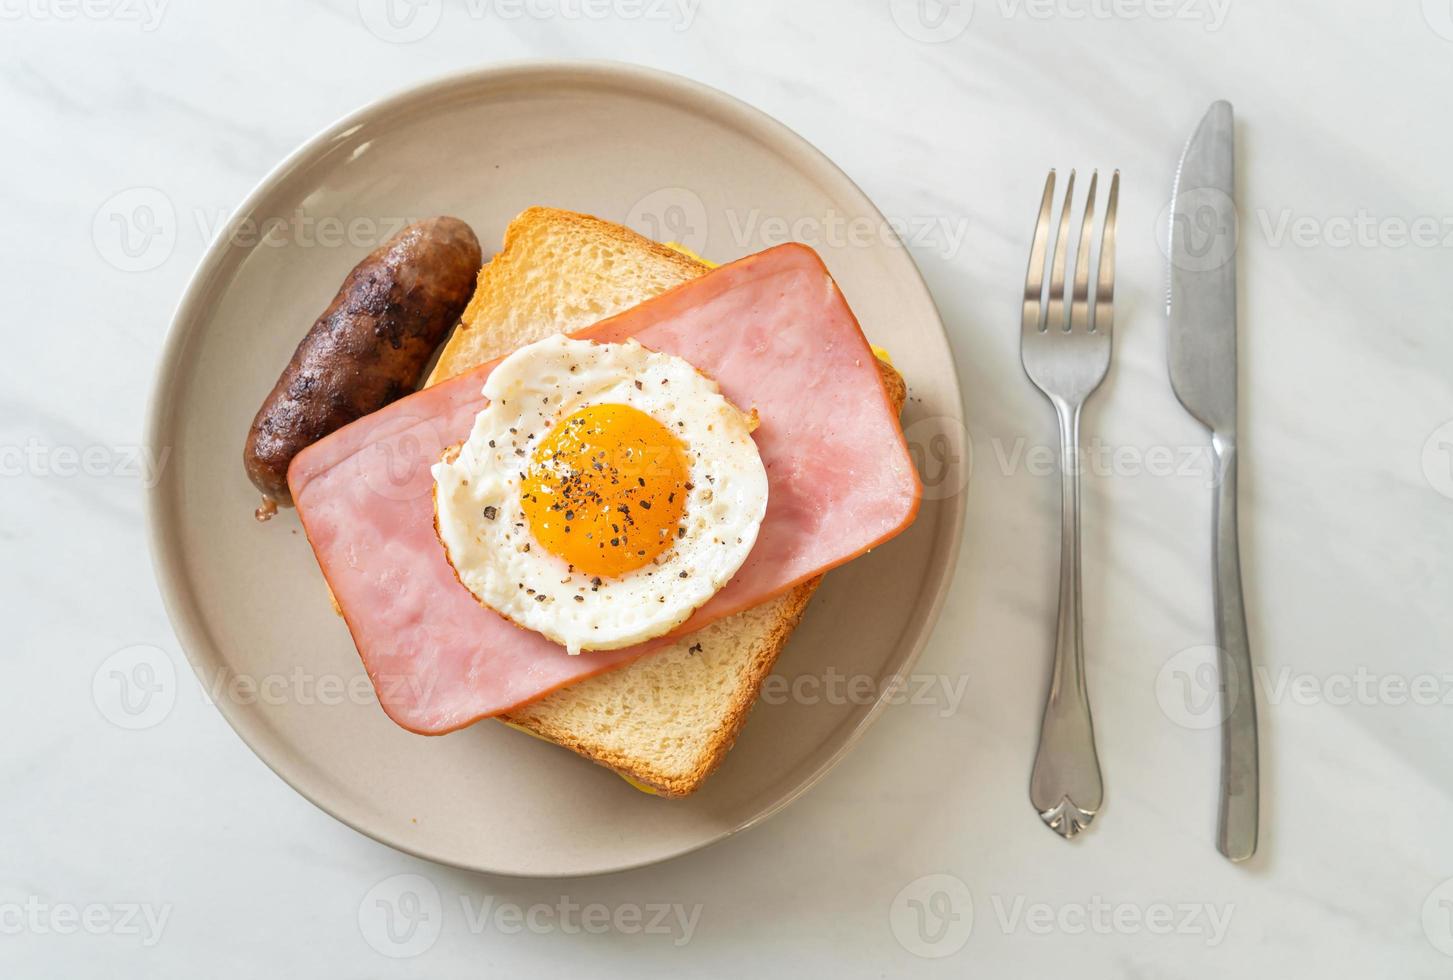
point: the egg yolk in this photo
(606, 489)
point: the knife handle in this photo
(1240, 768)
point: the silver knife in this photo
(1201, 305)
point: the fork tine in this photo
(1056, 315)
(1080, 301)
(1034, 278)
(1104, 318)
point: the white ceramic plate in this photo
(671, 158)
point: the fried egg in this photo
(605, 492)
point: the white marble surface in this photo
(1347, 497)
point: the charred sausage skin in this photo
(369, 348)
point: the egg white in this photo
(484, 531)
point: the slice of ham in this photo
(776, 334)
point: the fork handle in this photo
(1240, 791)
(1065, 786)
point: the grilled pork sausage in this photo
(368, 348)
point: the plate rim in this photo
(164, 550)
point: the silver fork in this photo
(1067, 359)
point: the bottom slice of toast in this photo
(666, 721)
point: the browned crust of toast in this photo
(667, 784)
(525, 223)
(676, 786)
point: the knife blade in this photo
(1201, 346)
(1201, 300)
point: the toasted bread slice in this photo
(558, 272)
(667, 720)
